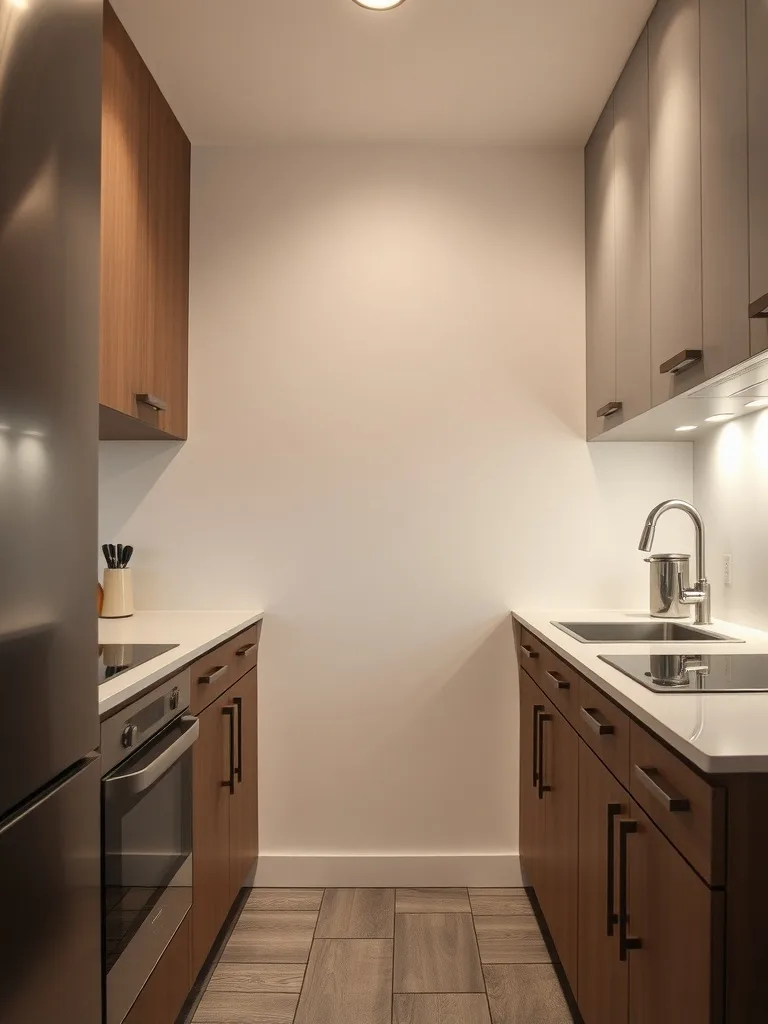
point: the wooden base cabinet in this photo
(161, 999)
(225, 814)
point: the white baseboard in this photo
(480, 870)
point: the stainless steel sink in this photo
(641, 633)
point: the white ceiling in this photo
(512, 71)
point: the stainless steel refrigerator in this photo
(50, 155)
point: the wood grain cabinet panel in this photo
(603, 978)
(605, 728)
(163, 996)
(532, 705)
(244, 805)
(599, 164)
(633, 236)
(144, 250)
(757, 92)
(124, 156)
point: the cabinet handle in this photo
(238, 702)
(609, 410)
(537, 708)
(599, 725)
(543, 717)
(245, 651)
(758, 310)
(668, 797)
(229, 711)
(613, 811)
(529, 652)
(153, 402)
(681, 361)
(626, 828)
(214, 676)
(557, 680)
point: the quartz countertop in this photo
(195, 633)
(718, 732)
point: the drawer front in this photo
(216, 671)
(561, 683)
(688, 810)
(530, 655)
(246, 650)
(605, 728)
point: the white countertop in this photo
(194, 632)
(718, 732)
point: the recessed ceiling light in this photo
(759, 403)
(681, 430)
(379, 5)
(720, 417)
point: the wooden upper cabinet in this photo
(675, 193)
(757, 40)
(601, 275)
(125, 139)
(633, 237)
(144, 250)
(168, 263)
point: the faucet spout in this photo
(701, 595)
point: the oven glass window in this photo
(147, 845)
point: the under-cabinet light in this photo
(379, 5)
(720, 417)
(758, 403)
(682, 430)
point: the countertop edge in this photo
(136, 687)
(705, 763)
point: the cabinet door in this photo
(168, 262)
(757, 41)
(163, 996)
(125, 118)
(559, 766)
(210, 823)
(675, 193)
(678, 922)
(601, 276)
(603, 977)
(633, 236)
(244, 811)
(724, 185)
(531, 806)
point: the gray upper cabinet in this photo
(601, 276)
(724, 185)
(633, 237)
(757, 42)
(675, 194)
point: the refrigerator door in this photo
(50, 132)
(50, 893)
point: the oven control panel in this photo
(130, 728)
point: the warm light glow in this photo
(720, 417)
(21, 4)
(379, 5)
(682, 430)
(759, 403)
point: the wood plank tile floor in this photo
(384, 956)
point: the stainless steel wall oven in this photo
(147, 836)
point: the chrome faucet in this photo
(700, 594)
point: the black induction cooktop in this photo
(117, 658)
(695, 673)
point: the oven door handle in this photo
(133, 783)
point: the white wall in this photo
(387, 399)
(731, 491)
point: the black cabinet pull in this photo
(626, 828)
(214, 676)
(558, 681)
(158, 404)
(668, 797)
(613, 811)
(238, 702)
(609, 410)
(244, 651)
(602, 728)
(537, 708)
(543, 717)
(229, 711)
(758, 310)
(529, 652)
(682, 361)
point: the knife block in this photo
(118, 594)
